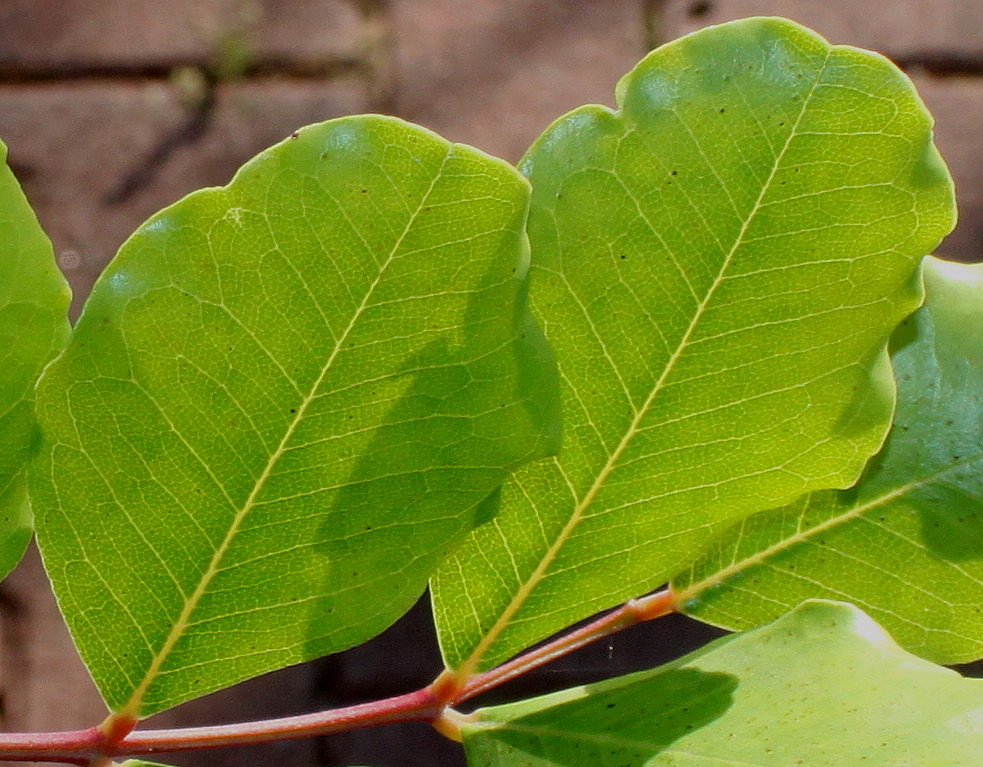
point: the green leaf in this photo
(906, 543)
(824, 686)
(719, 266)
(33, 327)
(284, 403)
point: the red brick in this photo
(498, 74)
(901, 29)
(73, 145)
(957, 103)
(79, 34)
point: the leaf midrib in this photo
(760, 557)
(132, 705)
(471, 664)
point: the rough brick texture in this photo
(97, 158)
(498, 74)
(957, 103)
(73, 35)
(903, 29)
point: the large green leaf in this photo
(33, 326)
(284, 403)
(824, 686)
(907, 542)
(719, 266)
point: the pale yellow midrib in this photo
(759, 557)
(132, 705)
(470, 665)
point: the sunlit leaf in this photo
(284, 403)
(824, 686)
(33, 326)
(906, 543)
(718, 266)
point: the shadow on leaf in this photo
(627, 725)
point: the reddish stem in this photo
(419, 706)
(114, 738)
(73, 747)
(632, 612)
(88, 746)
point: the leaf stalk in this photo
(116, 736)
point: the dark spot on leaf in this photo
(721, 110)
(674, 173)
(294, 135)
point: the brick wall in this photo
(112, 110)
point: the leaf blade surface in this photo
(752, 700)
(33, 327)
(718, 265)
(906, 543)
(285, 401)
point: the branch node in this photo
(115, 728)
(655, 605)
(446, 687)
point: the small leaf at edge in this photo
(906, 543)
(823, 686)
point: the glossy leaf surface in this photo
(718, 266)
(906, 543)
(824, 686)
(284, 403)
(33, 327)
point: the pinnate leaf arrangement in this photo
(697, 340)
